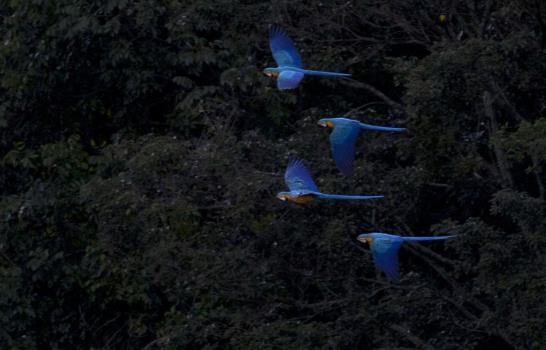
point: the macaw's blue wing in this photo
(289, 80)
(342, 141)
(297, 177)
(385, 256)
(284, 52)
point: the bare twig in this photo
(415, 340)
(433, 254)
(373, 90)
(158, 341)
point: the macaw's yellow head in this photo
(271, 72)
(326, 123)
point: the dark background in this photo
(141, 150)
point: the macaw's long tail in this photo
(380, 128)
(325, 74)
(341, 196)
(437, 238)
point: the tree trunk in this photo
(502, 162)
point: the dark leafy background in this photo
(141, 149)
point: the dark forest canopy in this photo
(141, 150)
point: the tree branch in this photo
(361, 85)
(502, 165)
(415, 340)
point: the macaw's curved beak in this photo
(271, 74)
(282, 197)
(363, 239)
(326, 124)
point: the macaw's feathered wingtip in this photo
(298, 177)
(294, 160)
(346, 173)
(296, 163)
(345, 166)
(392, 272)
(275, 29)
(394, 279)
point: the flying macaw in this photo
(343, 139)
(289, 72)
(385, 250)
(302, 187)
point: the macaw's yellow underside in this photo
(301, 199)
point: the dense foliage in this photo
(141, 150)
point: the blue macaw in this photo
(343, 139)
(289, 72)
(385, 248)
(302, 187)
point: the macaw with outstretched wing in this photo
(343, 139)
(385, 248)
(289, 72)
(303, 189)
